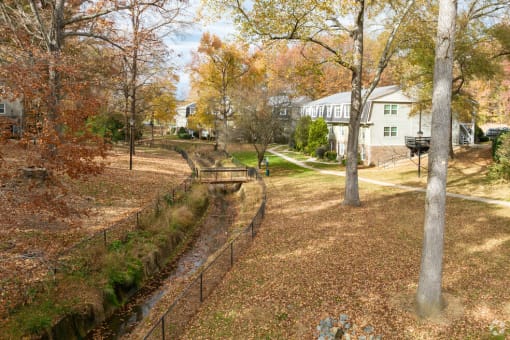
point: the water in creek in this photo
(213, 235)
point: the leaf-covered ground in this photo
(39, 220)
(314, 258)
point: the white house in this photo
(183, 112)
(385, 122)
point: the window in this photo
(2, 109)
(390, 109)
(328, 111)
(314, 111)
(283, 112)
(338, 111)
(321, 108)
(390, 131)
(347, 110)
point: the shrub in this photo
(321, 151)
(183, 134)
(318, 134)
(330, 155)
(300, 135)
(500, 170)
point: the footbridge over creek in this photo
(225, 175)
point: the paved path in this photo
(387, 184)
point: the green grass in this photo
(277, 166)
(326, 166)
(96, 268)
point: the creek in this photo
(174, 277)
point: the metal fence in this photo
(121, 229)
(180, 312)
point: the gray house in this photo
(288, 111)
(11, 116)
(385, 122)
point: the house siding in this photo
(405, 124)
(374, 146)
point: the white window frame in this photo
(283, 112)
(2, 109)
(390, 131)
(321, 111)
(329, 110)
(346, 110)
(314, 111)
(338, 111)
(390, 109)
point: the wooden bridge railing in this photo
(223, 175)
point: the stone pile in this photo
(342, 328)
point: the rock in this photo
(337, 333)
(326, 323)
(368, 329)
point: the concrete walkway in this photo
(387, 184)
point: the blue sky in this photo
(188, 41)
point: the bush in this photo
(500, 170)
(496, 143)
(183, 134)
(320, 151)
(300, 134)
(330, 155)
(318, 134)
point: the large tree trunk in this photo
(429, 297)
(450, 140)
(351, 195)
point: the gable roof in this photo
(343, 98)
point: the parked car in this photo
(492, 133)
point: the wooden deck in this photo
(223, 175)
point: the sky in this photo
(188, 41)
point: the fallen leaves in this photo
(39, 220)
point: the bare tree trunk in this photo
(351, 195)
(429, 297)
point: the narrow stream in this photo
(170, 280)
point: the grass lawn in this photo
(315, 258)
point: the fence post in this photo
(252, 230)
(231, 254)
(163, 327)
(137, 219)
(104, 237)
(201, 287)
